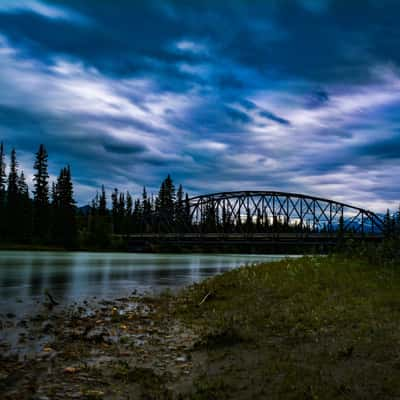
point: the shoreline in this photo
(313, 327)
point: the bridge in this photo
(262, 218)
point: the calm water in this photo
(70, 277)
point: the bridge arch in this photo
(241, 211)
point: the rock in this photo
(23, 323)
(47, 327)
(98, 335)
(71, 370)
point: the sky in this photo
(291, 95)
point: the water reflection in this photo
(24, 276)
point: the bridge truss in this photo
(271, 211)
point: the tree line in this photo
(47, 217)
(50, 215)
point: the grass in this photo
(311, 328)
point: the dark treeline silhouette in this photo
(50, 216)
(167, 212)
(36, 220)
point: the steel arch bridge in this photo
(260, 221)
(272, 211)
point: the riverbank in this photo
(311, 328)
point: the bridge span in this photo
(262, 218)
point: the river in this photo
(74, 277)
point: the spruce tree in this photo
(65, 229)
(179, 210)
(137, 217)
(115, 211)
(12, 216)
(41, 195)
(166, 204)
(3, 177)
(387, 224)
(25, 210)
(3, 182)
(12, 188)
(128, 213)
(103, 202)
(188, 219)
(147, 220)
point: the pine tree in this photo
(99, 224)
(3, 182)
(146, 213)
(3, 177)
(12, 216)
(179, 210)
(41, 195)
(103, 202)
(137, 217)
(188, 219)
(249, 221)
(128, 213)
(23, 186)
(12, 188)
(166, 206)
(114, 210)
(24, 210)
(387, 225)
(65, 225)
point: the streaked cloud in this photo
(300, 96)
(41, 8)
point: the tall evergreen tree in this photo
(12, 188)
(188, 219)
(3, 182)
(128, 228)
(179, 210)
(3, 177)
(137, 217)
(114, 210)
(387, 224)
(65, 225)
(103, 202)
(24, 210)
(12, 218)
(166, 204)
(41, 195)
(147, 220)
(99, 224)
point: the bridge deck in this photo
(259, 236)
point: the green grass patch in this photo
(315, 327)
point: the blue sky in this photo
(299, 95)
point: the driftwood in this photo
(52, 301)
(205, 298)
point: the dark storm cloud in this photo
(271, 116)
(295, 95)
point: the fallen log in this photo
(205, 298)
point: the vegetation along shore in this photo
(308, 328)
